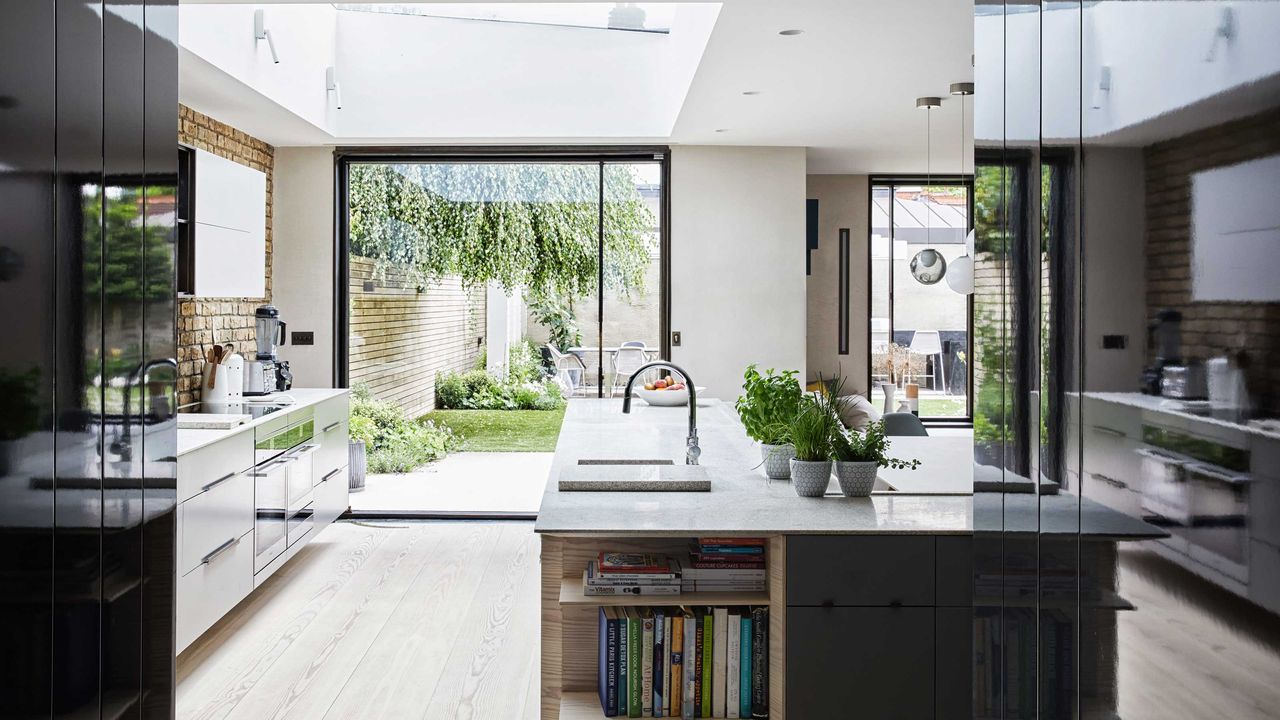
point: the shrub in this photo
(477, 390)
(395, 443)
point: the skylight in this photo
(632, 17)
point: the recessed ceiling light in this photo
(750, 92)
(791, 32)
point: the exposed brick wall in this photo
(1208, 328)
(204, 321)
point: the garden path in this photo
(497, 482)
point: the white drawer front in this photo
(210, 590)
(331, 434)
(198, 468)
(213, 517)
(331, 496)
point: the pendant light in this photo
(960, 277)
(928, 266)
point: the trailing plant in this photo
(870, 445)
(812, 428)
(533, 225)
(768, 404)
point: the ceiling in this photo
(844, 88)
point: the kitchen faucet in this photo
(121, 446)
(692, 450)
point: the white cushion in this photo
(856, 412)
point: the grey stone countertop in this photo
(740, 502)
(297, 398)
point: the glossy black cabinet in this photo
(88, 89)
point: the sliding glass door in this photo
(920, 326)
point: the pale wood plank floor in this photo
(398, 620)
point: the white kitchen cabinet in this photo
(211, 519)
(229, 228)
(209, 591)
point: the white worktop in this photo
(297, 398)
(1174, 408)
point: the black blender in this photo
(1165, 335)
(266, 373)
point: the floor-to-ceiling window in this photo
(490, 281)
(920, 326)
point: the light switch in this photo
(675, 338)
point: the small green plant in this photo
(21, 414)
(557, 317)
(394, 442)
(768, 404)
(870, 445)
(478, 390)
(812, 428)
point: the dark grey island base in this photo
(871, 601)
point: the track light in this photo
(331, 85)
(260, 32)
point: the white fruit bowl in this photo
(665, 398)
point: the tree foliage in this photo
(518, 225)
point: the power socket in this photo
(302, 338)
(675, 338)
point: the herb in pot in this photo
(870, 445)
(812, 429)
(769, 403)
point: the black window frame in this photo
(893, 179)
(600, 154)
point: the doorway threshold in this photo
(437, 515)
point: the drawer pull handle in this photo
(331, 427)
(328, 476)
(218, 551)
(218, 482)
(1109, 480)
(1108, 431)
(302, 450)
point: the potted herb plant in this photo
(768, 405)
(811, 432)
(859, 455)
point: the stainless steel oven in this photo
(282, 513)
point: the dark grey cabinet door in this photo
(953, 685)
(868, 662)
(860, 570)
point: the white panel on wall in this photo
(230, 228)
(1235, 233)
(229, 263)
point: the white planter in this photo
(776, 459)
(357, 459)
(810, 477)
(857, 479)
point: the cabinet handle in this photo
(330, 474)
(1108, 431)
(331, 427)
(218, 551)
(1108, 480)
(302, 450)
(218, 482)
(1211, 471)
(260, 468)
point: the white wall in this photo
(302, 262)
(737, 262)
(842, 203)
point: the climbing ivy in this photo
(518, 225)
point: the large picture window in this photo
(920, 331)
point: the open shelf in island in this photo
(571, 593)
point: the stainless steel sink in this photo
(623, 461)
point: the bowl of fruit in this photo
(664, 392)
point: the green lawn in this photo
(503, 430)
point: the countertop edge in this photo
(208, 436)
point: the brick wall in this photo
(1208, 327)
(204, 321)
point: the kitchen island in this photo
(871, 600)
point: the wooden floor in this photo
(397, 620)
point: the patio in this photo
(492, 482)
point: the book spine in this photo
(719, 670)
(755, 542)
(731, 550)
(697, 667)
(665, 657)
(676, 691)
(708, 661)
(733, 634)
(688, 667)
(659, 642)
(760, 662)
(623, 660)
(608, 664)
(646, 667)
(744, 682)
(612, 590)
(634, 708)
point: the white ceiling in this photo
(845, 89)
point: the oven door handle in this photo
(1217, 473)
(259, 470)
(1162, 458)
(301, 451)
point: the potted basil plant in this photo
(859, 455)
(811, 433)
(769, 403)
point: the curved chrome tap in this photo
(692, 450)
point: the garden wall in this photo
(400, 337)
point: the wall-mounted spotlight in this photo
(331, 85)
(260, 32)
(1102, 90)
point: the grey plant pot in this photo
(857, 479)
(357, 459)
(810, 478)
(776, 459)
